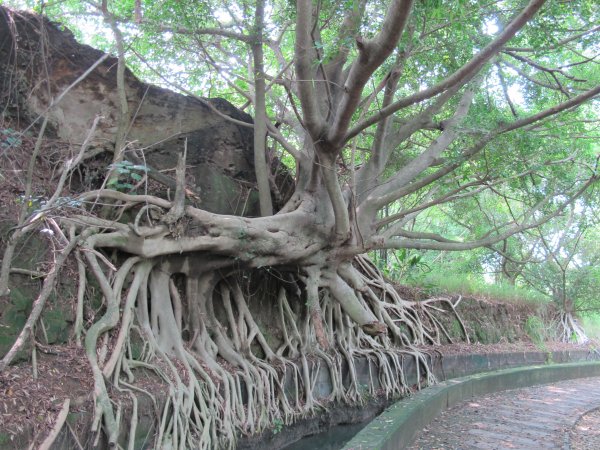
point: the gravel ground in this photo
(534, 418)
(585, 435)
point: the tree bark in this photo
(260, 115)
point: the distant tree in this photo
(567, 270)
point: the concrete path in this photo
(538, 417)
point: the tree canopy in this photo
(413, 106)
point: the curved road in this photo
(538, 417)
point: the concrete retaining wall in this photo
(445, 368)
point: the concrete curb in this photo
(399, 424)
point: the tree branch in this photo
(386, 192)
(571, 103)
(367, 177)
(439, 244)
(260, 115)
(406, 189)
(557, 45)
(461, 76)
(372, 53)
(304, 51)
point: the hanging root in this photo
(570, 330)
(40, 301)
(60, 421)
(231, 371)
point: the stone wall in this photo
(39, 61)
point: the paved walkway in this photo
(539, 417)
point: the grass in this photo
(591, 325)
(536, 329)
(463, 284)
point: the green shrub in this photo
(591, 325)
(536, 330)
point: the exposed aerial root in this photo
(40, 301)
(225, 377)
(193, 318)
(570, 330)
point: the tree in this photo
(388, 111)
(563, 266)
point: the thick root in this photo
(227, 374)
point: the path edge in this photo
(399, 424)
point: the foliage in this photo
(560, 260)
(591, 324)
(469, 284)
(127, 176)
(277, 426)
(402, 265)
(536, 329)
